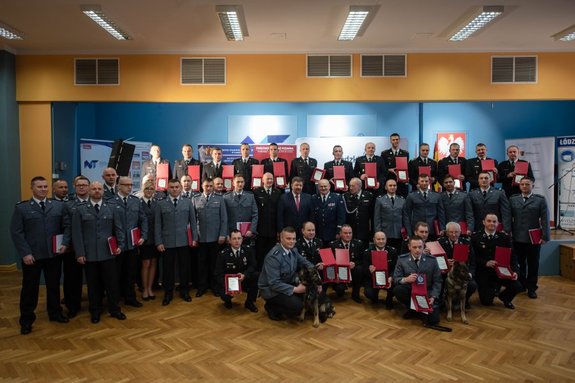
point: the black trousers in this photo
(73, 281)
(288, 305)
(488, 284)
(194, 251)
(528, 257)
(403, 295)
(356, 282)
(182, 255)
(372, 293)
(102, 276)
(52, 269)
(263, 246)
(127, 263)
(207, 256)
(249, 285)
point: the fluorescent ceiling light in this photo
(357, 21)
(95, 13)
(9, 33)
(473, 22)
(233, 21)
(566, 34)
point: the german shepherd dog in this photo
(313, 302)
(457, 280)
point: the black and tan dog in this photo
(457, 280)
(315, 303)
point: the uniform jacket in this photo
(269, 165)
(472, 170)
(359, 214)
(458, 209)
(241, 208)
(70, 208)
(359, 168)
(171, 223)
(227, 263)
(389, 159)
(181, 167)
(108, 194)
(209, 171)
(391, 261)
(328, 166)
(427, 265)
(300, 169)
(495, 202)
(289, 215)
(443, 166)
(448, 247)
(388, 217)
(279, 272)
(309, 249)
(328, 216)
(150, 211)
(211, 217)
(413, 169)
(484, 249)
(356, 250)
(530, 214)
(132, 216)
(267, 211)
(148, 167)
(245, 170)
(503, 169)
(424, 210)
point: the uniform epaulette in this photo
(539, 196)
(228, 193)
(132, 196)
(21, 202)
(403, 255)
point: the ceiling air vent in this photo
(329, 66)
(96, 71)
(383, 65)
(203, 71)
(514, 69)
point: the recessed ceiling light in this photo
(97, 15)
(358, 18)
(233, 21)
(478, 19)
(566, 34)
(10, 33)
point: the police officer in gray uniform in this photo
(390, 215)
(241, 207)
(486, 199)
(424, 205)
(456, 205)
(34, 225)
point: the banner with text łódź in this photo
(566, 179)
(540, 152)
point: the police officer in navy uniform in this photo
(151, 166)
(484, 243)
(379, 244)
(214, 168)
(422, 160)
(308, 244)
(303, 167)
(243, 165)
(356, 249)
(473, 166)
(338, 161)
(506, 171)
(328, 212)
(238, 259)
(529, 212)
(268, 163)
(452, 159)
(181, 166)
(267, 199)
(371, 157)
(34, 225)
(359, 210)
(389, 156)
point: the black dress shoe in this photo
(167, 299)
(251, 306)
(186, 297)
(95, 318)
(72, 313)
(118, 315)
(26, 329)
(60, 318)
(228, 303)
(437, 327)
(532, 294)
(509, 305)
(134, 303)
(145, 299)
(356, 299)
(200, 292)
(410, 314)
(152, 297)
(273, 316)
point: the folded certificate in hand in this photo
(317, 175)
(454, 170)
(503, 259)
(401, 169)
(328, 261)
(343, 274)
(57, 242)
(521, 170)
(136, 234)
(342, 262)
(339, 177)
(461, 252)
(535, 235)
(162, 176)
(112, 245)
(194, 173)
(442, 263)
(244, 227)
(257, 174)
(233, 284)
(380, 279)
(379, 261)
(422, 301)
(419, 294)
(488, 166)
(371, 172)
(190, 236)
(279, 174)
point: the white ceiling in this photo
(309, 26)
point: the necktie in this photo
(238, 196)
(455, 161)
(525, 199)
(450, 195)
(323, 199)
(43, 205)
(416, 260)
(175, 202)
(150, 203)
(97, 207)
(112, 190)
(484, 193)
(187, 194)
(512, 164)
(269, 191)
(490, 236)
(392, 201)
(396, 153)
(297, 201)
(346, 246)
(125, 201)
(306, 161)
(424, 195)
(425, 161)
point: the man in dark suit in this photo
(268, 163)
(243, 165)
(457, 205)
(422, 160)
(359, 210)
(294, 208)
(241, 207)
(132, 217)
(93, 223)
(109, 176)
(370, 292)
(452, 159)
(424, 205)
(389, 156)
(529, 212)
(303, 167)
(356, 264)
(215, 168)
(506, 171)
(267, 200)
(407, 271)
(181, 166)
(212, 219)
(473, 166)
(390, 215)
(34, 225)
(240, 260)
(370, 156)
(175, 218)
(487, 199)
(150, 166)
(328, 212)
(484, 243)
(338, 161)
(308, 244)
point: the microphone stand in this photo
(556, 184)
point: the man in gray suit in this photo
(175, 231)
(486, 199)
(424, 205)
(34, 225)
(132, 218)
(456, 205)
(241, 207)
(529, 212)
(93, 224)
(390, 215)
(212, 225)
(408, 270)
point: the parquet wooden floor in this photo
(204, 341)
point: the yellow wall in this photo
(282, 78)
(35, 144)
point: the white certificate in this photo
(342, 273)
(339, 184)
(280, 181)
(380, 278)
(233, 284)
(402, 174)
(371, 182)
(441, 263)
(162, 183)
(195, 185)
(504, 271)
(518, 178)
(422, 301)
(257, 182)
(457, 183)
(317, 175)
(228, 183)
(330, 273)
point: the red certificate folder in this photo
(436, 227)
(464, 227)
(425, 170)
(57, 242)
(403, 232)
(136, 234)
(244, 227)
(233, 284)
(381, 274)
(228, 176)
(454, 170)
(488, 166)
(371, 172)
(535, 235)
(317, 175)
(328, 261)
(257, 174)
(401, 169)
(162, 176)
(112, 245)
(503, 259)
(194, 173)
(419, 299)
(437, 251)
(339, 177)
(461, 252)
(521, 170)
(280, 174)
(190, 235)
(342, 265)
